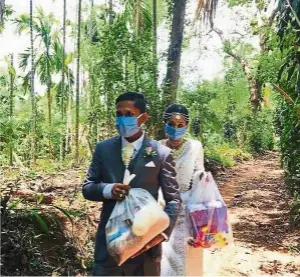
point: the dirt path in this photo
(254, 193)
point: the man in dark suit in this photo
(154, 168)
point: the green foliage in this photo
(261, 133)
(40, 220)
(120, 59)
(295, 210)
(117, 55)
(198, 101)
(5, 16)
(226, 154)
(224, 116)
(287, 116)
(261, 4)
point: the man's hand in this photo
(119, 191)
(157, 240)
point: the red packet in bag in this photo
(209, 224)
(210, 227)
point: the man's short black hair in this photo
(138, 99)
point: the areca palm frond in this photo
(138, 13)
(42, 24)
(24, 59)
(58, 89)
(57, 55)
(23, 23)
(5, 12)
(26, 84)
(3, 81)
(289, 13)
(43, 29)
(68, 73)
(207, 8)
(45, 68)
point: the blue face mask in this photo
(127, 126)
(175, 133)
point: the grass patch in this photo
(226, 155)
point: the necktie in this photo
(127, 153)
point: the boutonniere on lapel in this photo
(149, 152)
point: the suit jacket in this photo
(107, 167)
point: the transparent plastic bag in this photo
(208, 215)
(133, 223)
(205, 191)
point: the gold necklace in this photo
(176, 152)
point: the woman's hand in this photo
(192, 242)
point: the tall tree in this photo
(2, 8)
(45, 64)
(110, 7)
(154, 23)
(11, 108)
(33, 100)
(174, 52)
(234, 49)
(5, 12)
(77, 84)
(208, 8)
(62, 103)
(109, 96)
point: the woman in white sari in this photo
(179, 257)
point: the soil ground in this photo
(253, 190)
(263, 238)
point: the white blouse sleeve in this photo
(199, 162)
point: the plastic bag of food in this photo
(208, 214)
(133, 223)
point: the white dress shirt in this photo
(107, 191)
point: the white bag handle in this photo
(205, 191)
(128, 177)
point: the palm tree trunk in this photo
(125, 70)
(174, 52)
(62, 100)
(154, 22)
(69, 119)
(92, 86)
(77, 85)
(49, 119)
(49, 104)
(136, 74)
(33, 102)
(2, 8)
(109, 103)
(11, 105)
(110, 11)
(68, 124)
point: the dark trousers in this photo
(142, 265)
